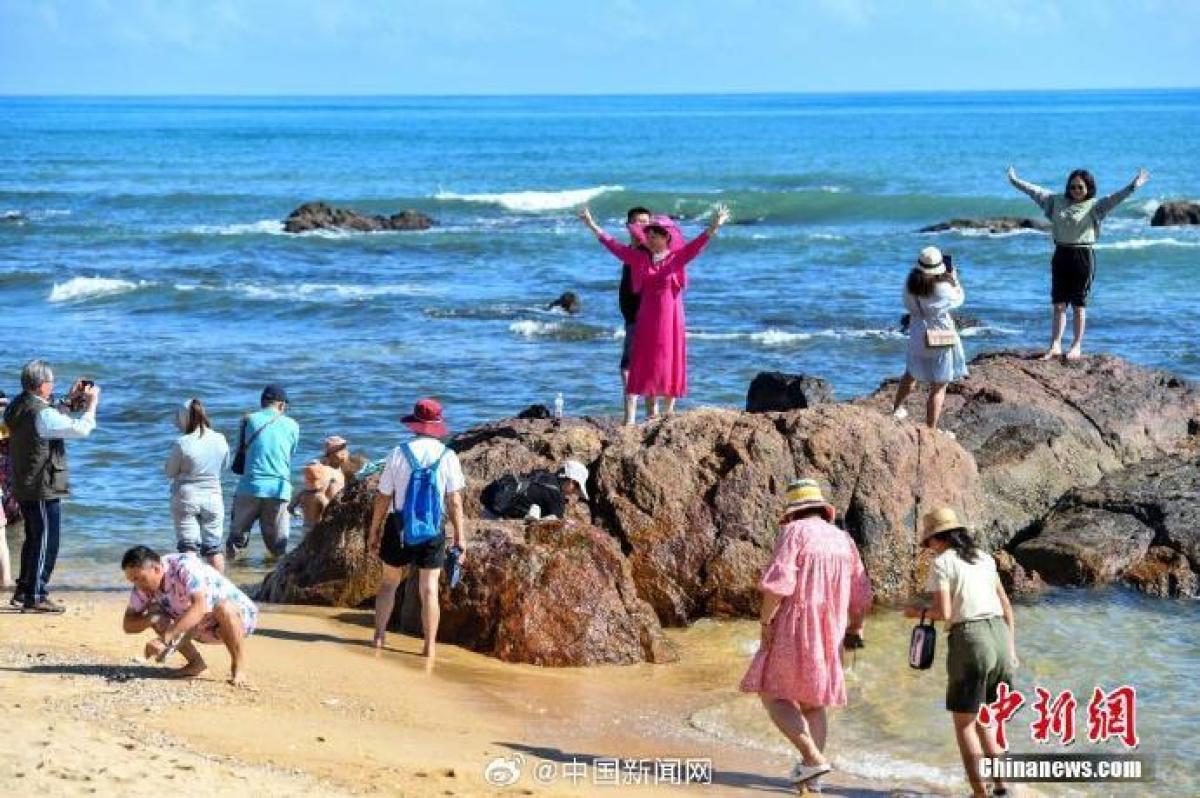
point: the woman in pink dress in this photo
(815, 597)
(658, 358)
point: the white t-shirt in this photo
(972, 586)
(394, 480)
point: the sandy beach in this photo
(328, 716)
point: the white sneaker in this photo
(802, 773)
(899, 414)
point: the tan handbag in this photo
(936, 339)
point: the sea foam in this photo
(1145, 243)
(533, 201)
(82, 288)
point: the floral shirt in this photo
(185, 574)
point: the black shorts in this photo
(626, 347)
(393, 552)
(1071, 273)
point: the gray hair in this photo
(35, 374)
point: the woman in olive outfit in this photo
(982, 650)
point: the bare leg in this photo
(385, 601)
(933, 404)
(817, 724)
(217, 561)
(670, 405)
(431, 611)
(1076, 350)
(653, 402)
(232, 633)
(789, 719)
(631, 403)
(907, 382)
(987, 738)
(1058, 323)
(194, 665)
(968, 749)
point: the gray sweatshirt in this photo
(196, 462)
(1073, 223)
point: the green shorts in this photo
(976, 662)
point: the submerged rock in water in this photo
(995, 224)
(319, 216)
(568, 302)
(773, 391)
(1140, 525)
(1179, 212)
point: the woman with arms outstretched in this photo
(1075, 218)
(658, 358)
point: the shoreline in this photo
(329, 717)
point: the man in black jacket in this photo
(38, 453)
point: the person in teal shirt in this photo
(268, 438)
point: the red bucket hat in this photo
(426, 419)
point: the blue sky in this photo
(603, 46)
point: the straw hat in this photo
(804, 494)
(930, 261)
(943, 519)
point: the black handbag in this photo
(238, 466)
(921, 645)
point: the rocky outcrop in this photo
(1179, 212)
(997, 224)
(547, 594)
(1038, 429)
(319, 216)
(774, 391)
(1140, 525)
(693, 499)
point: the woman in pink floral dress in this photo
(815, 596)
(658, 357)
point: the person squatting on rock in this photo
(658, 357)
(1075, 217)
(185, 601)
(38, 430)
(422, 479)
(322, 484)
(194, 467)
(815, 597)
(982, 649)
(935, 352)
(268, 440)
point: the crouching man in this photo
(184, 600)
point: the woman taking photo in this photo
(1075, 217)
(194, 467)
(935, 353)
(658, 357)
(815, 595)
(982, 649)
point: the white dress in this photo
(943, 363)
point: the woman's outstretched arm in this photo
(626, 254)
(691, 249)
(1105, 205)
(1041, 196)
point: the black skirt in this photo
(1071, 271)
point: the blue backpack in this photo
(422, 513)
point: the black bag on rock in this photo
(511, 496)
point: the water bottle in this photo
(558, 407)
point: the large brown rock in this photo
(319, 216)
(694, 499)
(1179, 212)
(1140, 525)
(546, 594)
(1037, 429)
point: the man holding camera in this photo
(38, 430)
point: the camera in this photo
(76, 401)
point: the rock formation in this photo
(997, 224)
(774, 391)
(568, 302)
(319, 216)
(1179, 212)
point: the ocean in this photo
(141, 245)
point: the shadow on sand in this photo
(108, 672)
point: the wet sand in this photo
(328, 715)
